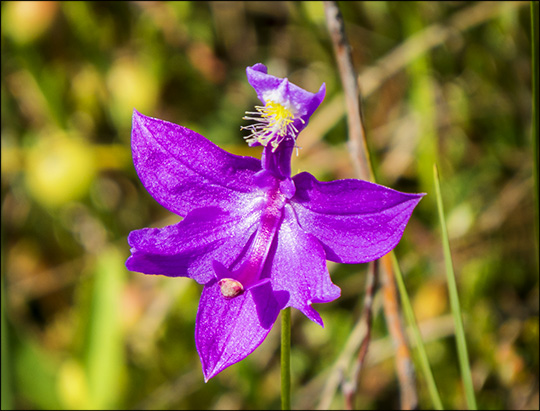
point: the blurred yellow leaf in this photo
(59, 169)
(73, 385)
(25, 21)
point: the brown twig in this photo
(363, 169)
(350, 387)
(357, 137)
(404, 363)
(333, 381)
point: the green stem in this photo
(461, 343)
(411, 319)
(286, 359)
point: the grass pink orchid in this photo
(255, 237)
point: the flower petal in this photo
(299, 267)
(183, 170)
(188, 248)
(356, 221)
(282, 91)
(228, 330)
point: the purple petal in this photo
(299, 267)
(183, 170)
(188, 248)
(228, 330)
(282, 91)
(356, 221)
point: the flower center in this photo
(232, 283)
(273, 122)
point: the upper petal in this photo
(298, 265)
(183, 170)
(228, 330)
(281, 90)
(356, 221)
(188, 248)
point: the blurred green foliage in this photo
(80, 331)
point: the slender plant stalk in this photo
(350, 387)
(404, 363)
(463, 356)
(286, 359)
(358, 149)
(411, 319)
(351, 346)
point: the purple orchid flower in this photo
(257, 239)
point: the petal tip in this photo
(259, 67)
(322, 91)
(209, 373)
(136, 119)
(136, 113)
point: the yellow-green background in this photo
(80, 331)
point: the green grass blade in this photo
(105, 350)
(454, 300)
(409, 315)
